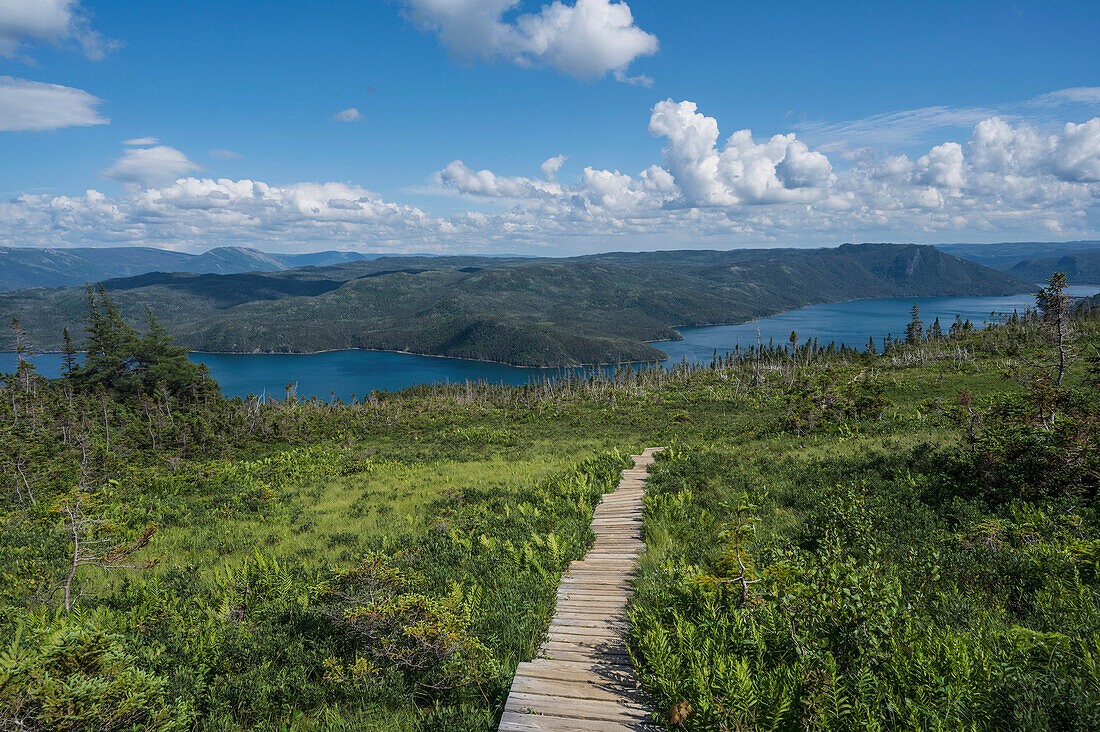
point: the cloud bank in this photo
(1004, 179)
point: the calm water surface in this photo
(344, 373)
(850, 323)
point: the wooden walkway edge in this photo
(582, 678)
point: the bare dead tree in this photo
(19, 465)
(94, 545)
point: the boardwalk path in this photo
(582, 679)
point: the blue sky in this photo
(899, 121)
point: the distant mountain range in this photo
(1080, 269)
(1035, 260)
(533, 312)
(25, 267)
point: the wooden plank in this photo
(593, 596)
(579, 622)
(611, 642)
(583, 625)
(581, 651)
(586, 620)
(595, 581)
(592, 577)
(593, 588)
(594, 600)
(575, 689)
(591, 604)
(580, 709)
(585, 656)
(621, 674)
(513, 722)
(606, 607)
(561, 630)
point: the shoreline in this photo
(677, 328)
(425, 355)
(404, 353)
(666, 357)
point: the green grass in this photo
(458, 508)
(333, 521)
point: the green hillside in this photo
(532, 312)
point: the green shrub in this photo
(82, 678)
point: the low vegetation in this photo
(935, 568)
(838, 539)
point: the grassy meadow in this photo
(837, 540)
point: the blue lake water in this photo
(344, 373)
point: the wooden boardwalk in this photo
(582, 678)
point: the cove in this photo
(341, 374)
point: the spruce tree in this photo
(109, 350)
(158, 361)
(957, 326)
(19, 336)
(68, 353)
(25, 369)
(1054, 306)
(914, 332)
(123, 361)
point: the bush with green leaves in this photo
(79, 677)
(844, 621)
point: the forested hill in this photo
(592, 309)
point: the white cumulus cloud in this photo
(587, 40)
(351, 114)
(150, 166)
(461, 178)
(34, 106)
(943, 166)
(1076, 152)
(1071, 154)
(551, 166)
(782, 169)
